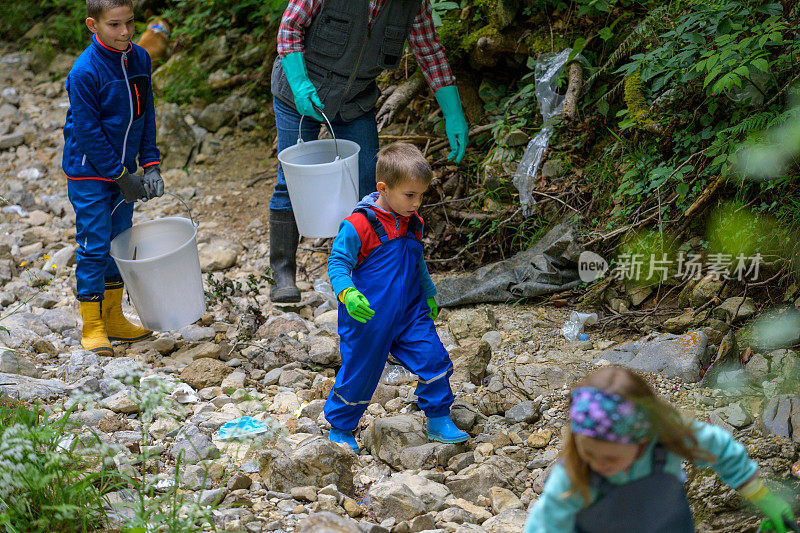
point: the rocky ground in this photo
(277, 364)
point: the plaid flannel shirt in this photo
(422, 38)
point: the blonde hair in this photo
(400, 162)
(670, 428)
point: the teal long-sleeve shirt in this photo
(554, 512)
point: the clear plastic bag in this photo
(324, 289)
(573, 328)
(546, 71)
(396, 375)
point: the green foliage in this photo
(725, 46)
(63, 20)
(439, 8)
(46, 483)
(201, 19)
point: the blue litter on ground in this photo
(242, 427)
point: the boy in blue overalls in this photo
(378, 272)
(110, 121)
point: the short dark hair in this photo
(399, 162)
(96, 8)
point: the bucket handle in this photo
(330, 129)
(171, 194)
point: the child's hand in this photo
(358, 306)
(777, 510)
(152, 182)
(130, 185)
(434, 308)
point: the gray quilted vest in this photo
(344, 54)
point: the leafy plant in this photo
(46, 483)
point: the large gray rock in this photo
(60, 319)
(324, 351)
(527, 411)
(11, 140)
(470, 362)
(205, 372)
(215, 257)
(214, 116)
(734, 309)
(176, 139)
(676, 356)
(327, 522)
(432, 494)
(388, 437)
(394, 499)
(28, 389)
(782, 416)
(316, 462)
(123, 368)
(429, 456)
(513, 384)
(123, 401)
(478, 479)
(471, 323)
(13, 362)
(191, 446)
(510, 521)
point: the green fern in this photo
(755, 122)
(761, 121)
(646, 29)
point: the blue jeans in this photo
(363, 130)
(93, 202)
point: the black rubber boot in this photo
(283, 239)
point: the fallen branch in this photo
(407, 138)
(399, 99)
(574, 89)
(701, 201)
(468, 215)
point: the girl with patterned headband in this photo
(620, 469)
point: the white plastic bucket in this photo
(322, 178)
(160, 265)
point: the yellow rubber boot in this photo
(117, 326)
(93, 335)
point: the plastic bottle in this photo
(573, 328)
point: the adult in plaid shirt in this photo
(329, 54)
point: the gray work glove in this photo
(152, 182)
(130, 185)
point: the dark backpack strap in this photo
(414, 226)
(372, 218)
(659, 457)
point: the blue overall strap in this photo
(372, 218)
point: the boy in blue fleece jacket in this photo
(110, 122)
(377, 270)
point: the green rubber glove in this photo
(455, 125)
(305, 94)
(777, 510)
(434, 308)
(358, 306)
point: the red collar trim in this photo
(101, 43)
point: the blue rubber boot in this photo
(442, 429)
(343, 437)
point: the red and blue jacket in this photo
(357, 239)
(111, 118)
